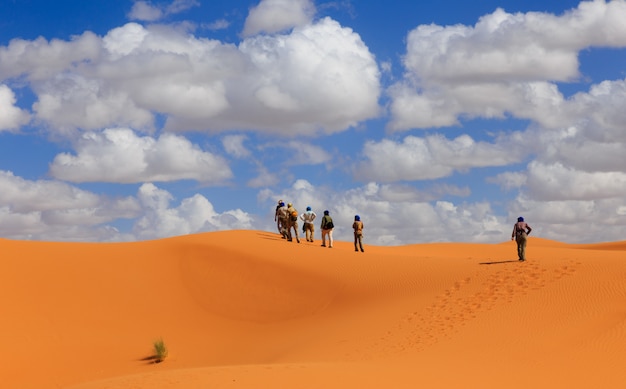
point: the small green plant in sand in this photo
(160, 351)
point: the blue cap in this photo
(357, 217)
(520, 219)
(308, 208)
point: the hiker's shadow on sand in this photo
(269, 235)
(498, 262)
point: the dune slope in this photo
(241, 309)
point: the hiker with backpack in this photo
(292, 222)
(521, 229)
(283, 220)
(277, 216)
(327, 229)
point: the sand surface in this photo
(246, 309)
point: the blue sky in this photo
(130, 120)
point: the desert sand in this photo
(246, 309)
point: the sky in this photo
(127, 120)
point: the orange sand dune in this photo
(246, 309)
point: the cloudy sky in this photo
(127, 120)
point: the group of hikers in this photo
(286, 218)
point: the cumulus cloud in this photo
(558, 182)
(216, 25)
(300, 153)
(431, 157)
(41, 59)
(11, 116)
(264, 178)
(149, 12)
(318, 78)
(503, 64)
(53, 210)
(599, 113)
(193, 214)
(234, 145)
(272, 16)
(119, 155)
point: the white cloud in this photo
(178, 6)
(52, 210)
(558, 182)
(234, 145)
(264, 178)
(220, 24)
(601, 111)
(319, 78)
(119, 155)
(147, 11)
(41, 59)
(509, 180)
(273, 16)
(303, 153)
(431, 157)
(71, 101)
(11, 116)
(144, 10)
(503, 64)
(194, 214)
(525, 47)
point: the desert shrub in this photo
(160, 351)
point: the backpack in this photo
(294, 215)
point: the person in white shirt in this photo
(309, 227)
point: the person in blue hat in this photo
(308, 226)
(358, 233)
(283, 220)
(521, 229)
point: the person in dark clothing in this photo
(358, 233)
(521, 230)
(277, 216)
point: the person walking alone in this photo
(521, 230)
(358, 233)
(327, 229)
(309, 228)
